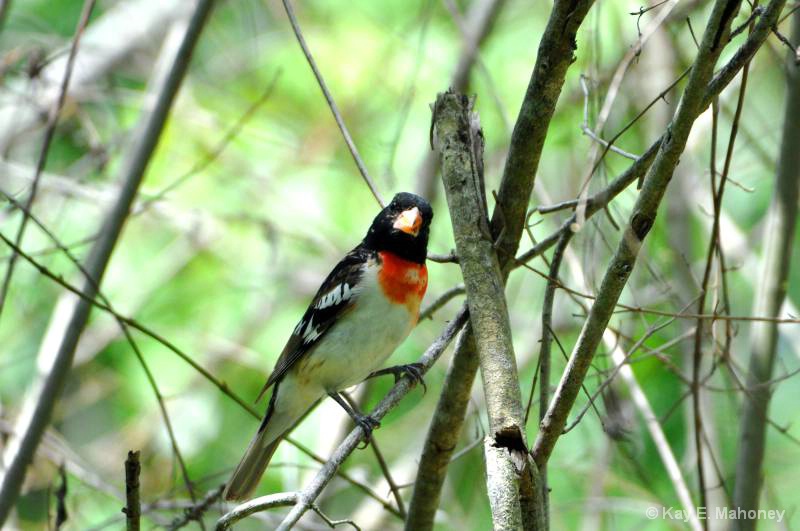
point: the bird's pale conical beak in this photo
(409, 221)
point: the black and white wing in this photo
(335, 297)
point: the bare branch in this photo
(287, 5)
(133, 506)
(256, 505)
(459, 140)
(310, 493)
(439, 303)
(38, 408)
(770, 295)
(640, 223)
(195, 512)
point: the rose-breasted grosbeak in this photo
(364, 309)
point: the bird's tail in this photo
(286, 408)
(247, 475)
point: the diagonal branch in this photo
(362, 168)
(49, 134)
(312, 491)
(642, 219)
(555, 55)
(38, 407)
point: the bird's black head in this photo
(402, 228)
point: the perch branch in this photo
(458, 138)
(309, 494)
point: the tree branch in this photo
(306, 498)
(642, 219)
(256, 505)
(133, 506)
(555, 55)
(38, 408)
(770, 294)
(362, 168)
(459, 140)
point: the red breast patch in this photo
(402, 281)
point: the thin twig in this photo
(591, 134)
(61, 498)
(287, 5)
(398, 498)
(640, 223)
(195, 512)
(49, 134)
(716, 85)
(38, 409)
(714, 248)
(440, 302)
(387, 474)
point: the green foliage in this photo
(224, 264)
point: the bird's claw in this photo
(414, 373)
(367, 424)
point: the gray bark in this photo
(459, 140)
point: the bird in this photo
(363, 310)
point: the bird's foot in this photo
(412, 370)
(367, 424)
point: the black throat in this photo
(405, 246)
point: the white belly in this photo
(360, 342)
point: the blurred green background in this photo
(224, 264)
